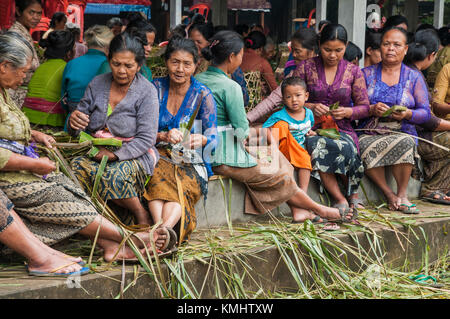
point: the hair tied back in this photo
(214, 43)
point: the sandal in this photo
(440, 200)
(355, 202)
(410, 209)
(343, 211)
(53, 273)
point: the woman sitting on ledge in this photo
(391, 83)
(124, 105)
(50, 204)
(178, 182)
(269, 183)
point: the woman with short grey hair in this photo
(51, 206)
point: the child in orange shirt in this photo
(291, 125)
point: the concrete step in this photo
(213, 212)
(427, 238)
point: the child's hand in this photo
(311, 133)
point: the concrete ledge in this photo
(269, 272)
(214, 211)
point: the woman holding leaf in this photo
(333, 85)
(48, 204)
(264, 170)
(399, 101)
(187, 125)
(122, 105)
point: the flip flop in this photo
(52, 273)
(173, 239)
(357, 201)
(431, 198)
(343, 211)
(409, 209)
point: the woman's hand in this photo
(79, 121)
(174, 136)
(196, 141)
(104, 152)
(320, 109)
(43, 166)
(42, 138)
(378, 109)
(399, 116)
(342, 113)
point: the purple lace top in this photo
(348, 88)
(411, 91)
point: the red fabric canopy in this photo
(136, 2)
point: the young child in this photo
(291, 126)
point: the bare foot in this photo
(301, 215)
(54, 264)
(125, 253)
(394, 202)
(160, 237)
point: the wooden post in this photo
(412, 13)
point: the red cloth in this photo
(7, 8)
(137, 2)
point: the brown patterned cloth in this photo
(5, 207)
(387, 150)
(52, 209)
(176, 184)
(269, 184)
(436, 164)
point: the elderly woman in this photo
(42, 104)
(331, 79)
(28, 15)
(51, 205)
(392, 83)
(120, 104)
(268, 185)
(181, 176)
(147, 33)
(79, 72)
